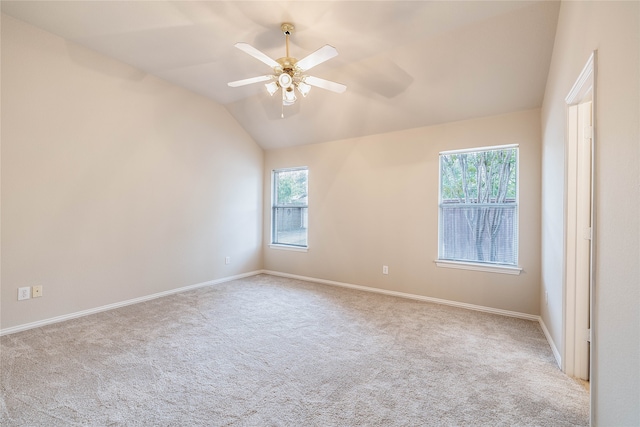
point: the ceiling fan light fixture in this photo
(272, 88)
(288, 96)
(288, 71)
(285, 80)
(303, 88)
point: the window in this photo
(289, 214)
(478, 218)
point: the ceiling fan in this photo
(288, 72)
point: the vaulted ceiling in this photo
(405, 64)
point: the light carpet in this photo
(270, 351)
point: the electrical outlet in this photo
(227, 260)
(24, 293)
(36, 291)
(385, 269)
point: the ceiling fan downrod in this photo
(287, 29)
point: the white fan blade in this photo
(249, 81)
(325, 84)
(325, 53)
(247, 48)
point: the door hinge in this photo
(587, 233)
(589, 335)
(588, 132)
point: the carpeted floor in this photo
(269, 351)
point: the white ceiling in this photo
(405, 64)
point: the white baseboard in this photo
(82, 313)
(554, 349)
(491, 310)
(410, 296)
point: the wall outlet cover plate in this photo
(24, 293)
(37, 291)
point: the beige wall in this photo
(115, 184)
(374, 201)
(613, 29)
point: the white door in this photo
(579, 237)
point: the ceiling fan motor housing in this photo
(288, 65)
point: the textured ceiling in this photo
(405, 64)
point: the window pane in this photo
(290, 209)
(291, 186)
(487, 176)
(479, 234)
(290, 226)
(478, 206)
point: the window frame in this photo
(479, 265)
(274, 206)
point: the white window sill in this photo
(289, 248)
(491, 268)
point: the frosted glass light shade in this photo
(288, 96)
(285, 80)
(272, 88)
(303, 88)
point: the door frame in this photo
(583, 90)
